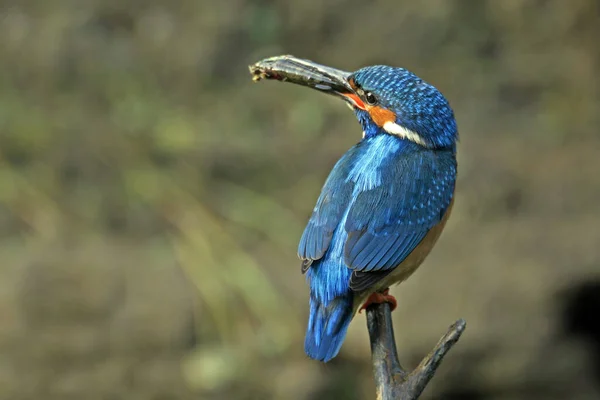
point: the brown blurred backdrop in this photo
(151, 197)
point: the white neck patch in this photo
(394, 129)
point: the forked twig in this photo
(391, 380)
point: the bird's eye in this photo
(371, 99)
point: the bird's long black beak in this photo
(306, 73)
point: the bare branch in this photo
(391, 380)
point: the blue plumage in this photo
(409, 186)
(327, 326)
(416, 189)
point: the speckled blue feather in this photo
(416, 191)
(378, 203)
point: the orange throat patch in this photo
(381, 115)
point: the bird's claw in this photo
(379, 298)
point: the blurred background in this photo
(152, 197)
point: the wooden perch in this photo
(391, 380)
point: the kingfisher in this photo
(386, 201)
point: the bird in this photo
(386, 200)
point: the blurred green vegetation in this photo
(137, 157)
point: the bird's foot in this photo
(378, 298)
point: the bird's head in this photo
(386, 100)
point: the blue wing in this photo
(385, 223)
(332, 204)
(413, 196)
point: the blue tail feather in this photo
(327, 327)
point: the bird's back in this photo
(379, 202)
